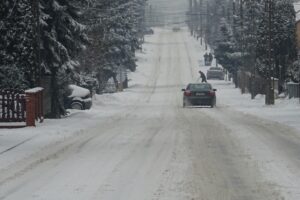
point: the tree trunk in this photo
(54, 95)
(57, 104)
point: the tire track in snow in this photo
(15, 146)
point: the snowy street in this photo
(142, 145)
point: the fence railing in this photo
(12, 106)
(249, 83)
(21, 106)
(293, 90)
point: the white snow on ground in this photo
(286, 111)
(16, 144)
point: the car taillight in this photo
(187, 93)
(212, 93)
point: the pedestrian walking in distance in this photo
(210, 57)
(203, 77)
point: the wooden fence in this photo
(12, 106)
(34, 106)
(20, 108)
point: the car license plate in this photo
(200, 94)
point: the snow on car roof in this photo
(78, 91)
(216, 68)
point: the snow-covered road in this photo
(150, 148)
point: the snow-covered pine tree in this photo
(285, 52)
(115, 30)
(62, 37)
(227, 52)
(16, 44)
(250, 34)
(283, 40)
(252, 13)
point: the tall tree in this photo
(62, 37)
(250, 31)
(283, 39)
(116, 31)
(16, 44)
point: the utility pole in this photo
(242, 85)
(270, 86)
(195, 17)
(252, 51)
(233, 16)
(201, 23)
(36, 71)
(190, 16)
(207, 25)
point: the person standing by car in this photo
(206, 57)
(202, 76)
(210, 57)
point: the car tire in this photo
(76, 105)
(212, 104)
(184, 104)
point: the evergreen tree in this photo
(16, 43)
(116, 31)
(285, 44)
(227, 52)
(250, 37)
(62, 38)
(283, 39)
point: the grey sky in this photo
(169, 12)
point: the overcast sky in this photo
(169, 12)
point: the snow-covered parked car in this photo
(215, 73)
(148, 31)
(80, 98)
(176, 29)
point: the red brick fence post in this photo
(34, 106)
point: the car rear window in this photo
(215, 68)
(199, 87)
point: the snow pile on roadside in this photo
(286, 111)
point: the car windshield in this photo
(199, 87)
